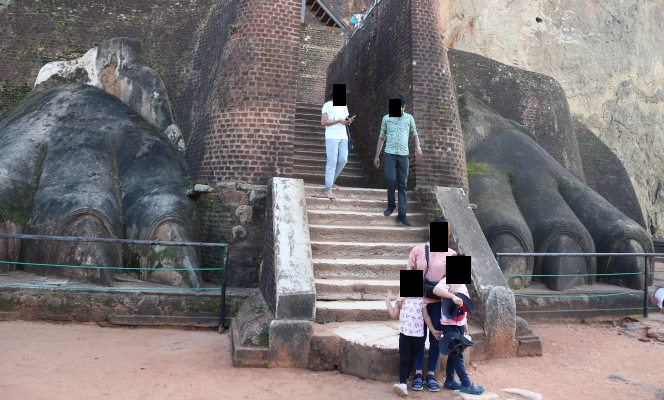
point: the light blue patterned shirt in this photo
(397, 132)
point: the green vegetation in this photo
(476, 168)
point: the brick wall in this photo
(230, 76)
(247, 131)
(530, 99)
(606, 175)
(389, 55)
(230, 71)
(318, 47)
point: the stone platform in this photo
(538, 304)
(129, 302)
(369, 350)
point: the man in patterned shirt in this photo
(396, 132)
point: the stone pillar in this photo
(287, 278)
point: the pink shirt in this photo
(411, 319)
(458, 321)
(437, 264)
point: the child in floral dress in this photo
(412, 312)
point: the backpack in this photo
(353, 20)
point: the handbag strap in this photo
(426, 253)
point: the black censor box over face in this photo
(458, 270)
(395, 108)
(438, 236)
(339, 94)
(410, 284)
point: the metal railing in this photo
(223, 268)
(339, 9)
(645, 272)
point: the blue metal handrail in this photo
(224, 269)
(645, 270)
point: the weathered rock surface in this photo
(115, 68)
(75, 161)
(606, 55)
(529, 202)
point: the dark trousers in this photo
(409, 346)
(434, 349)
(396, 173)
(455, 364)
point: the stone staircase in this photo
(357, 255)
(309, 155)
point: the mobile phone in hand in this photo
(347, 118)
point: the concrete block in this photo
(289, 343)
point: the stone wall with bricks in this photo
(230, 69)
(318, 46)
(235, 214)
(399, 50)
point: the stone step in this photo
(320, 162)
(370, 350)
(340, 267)
(297, 153)
(305, 132)
(357, 193)
(308, 123)
(317, 170)
(354, 289)
(302, 108)
(362, 249)
(309, 140)
(342, 180)
(368, 233)
(319, 217)
(311, 147)
(349, 204)
(349, 310)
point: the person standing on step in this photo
(335, 118)
(455, 363)
(395, 131)
(421, 258)
(412, 313)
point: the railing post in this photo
(224, 274)
(645, 288)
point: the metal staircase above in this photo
(332, 13)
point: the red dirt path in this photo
(41, 360)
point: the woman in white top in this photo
(335, 119)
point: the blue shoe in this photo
(452, 385)
(432, 383)
(403, 220)
(472, 389)
(389, 211)
(417, 382)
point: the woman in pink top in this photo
(437, 271)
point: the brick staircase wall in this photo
(318, 47)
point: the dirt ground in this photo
(42, 360)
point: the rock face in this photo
(75, 161)
(606, 55)
(97, 156)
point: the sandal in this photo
(417, 382)
(453, 385)
(472, 389)
(432, 383)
